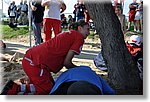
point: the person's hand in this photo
(34, 8)
(45, 2)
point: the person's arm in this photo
(32, 6)
(45, 3)
(63, 7)
(68, 60)
(124, 24)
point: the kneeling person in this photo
(50, 56)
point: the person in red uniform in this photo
(132, 11)
(135, 47)
(48, 57)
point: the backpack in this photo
(11, 25)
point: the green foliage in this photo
(92, 34)
(8, 33)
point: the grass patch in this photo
(92, 34)
(8, 33)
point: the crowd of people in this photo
(42, 12)
(47, 14)
(135, 15)
(52, 54)
(18, 13)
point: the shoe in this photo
(7, 87)
(128, 29)
(135, 30)
(138, 31)
(20, 24)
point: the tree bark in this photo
(122, 71)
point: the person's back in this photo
(56, 49)
(82, 73)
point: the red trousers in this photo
(48, 24)
(41, 81)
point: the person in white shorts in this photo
(52, 19)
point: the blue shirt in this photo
(83, 73)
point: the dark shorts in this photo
(132, 16)
(77, 88)
(12, 16)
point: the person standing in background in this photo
(12, 10)
(87, 16)
(139, 17)
(118, 3)
(133, 6)
(80, 10)
(70, 20)
(19, 11)
(23, 19)
(141, 11)
(37, 19)
(121, 18)
(52, 18)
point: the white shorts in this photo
(137, 16)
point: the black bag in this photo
(12, 25)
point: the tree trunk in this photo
(122, 71)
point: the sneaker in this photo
(128, 29)
(135, 30)
(138, 31)
(7, 87)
